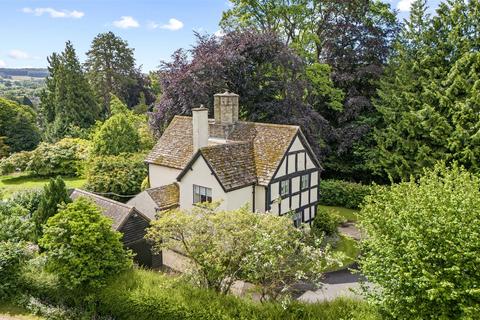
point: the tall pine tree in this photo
(111, 68)
(428, 98)
(68, 102)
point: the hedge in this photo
(142, 295)
(343, 193)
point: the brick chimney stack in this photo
(225, 108)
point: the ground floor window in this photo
(201, 194)
(297, 219)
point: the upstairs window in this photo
(305, 182)
(284, 187)
(201, 194)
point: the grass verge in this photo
(11, 184)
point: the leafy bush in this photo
(12, 256)
(66, 158)
(225, 246)
(117, 135)
(17, 125)
(145, 295)
(17, 161)
(14, 223)
(425, 235)
(324, 223)
(343, 194)
(116, 175)
(28, 199)
(81, 247)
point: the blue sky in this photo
(30, 30)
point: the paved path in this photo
(337, 284)
(349, 229)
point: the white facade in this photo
(201, 175)
(297, 163)
(161, 176)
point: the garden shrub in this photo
(142, 295)
(28, 199)
(12, 256)
(343, 193)
(324, 223)
(16, 162)
(116, 175)
(425, 235)
(66, 157)
(14, 223)
(81, 247)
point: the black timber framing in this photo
(289, 177)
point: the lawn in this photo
(350, 215)
(18, 182)
(350, 250)
(11, 312)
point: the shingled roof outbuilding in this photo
(117, 211)
(239, 154)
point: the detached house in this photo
(269, 167)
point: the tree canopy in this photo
(67, 102)
(269, 77)
(428, 98)
(424, 234)
(18, 130)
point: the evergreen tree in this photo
(427, 99)
(111, 68)
(55, 193)
(68, 100)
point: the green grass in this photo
(348, 214)
(350, 248)
(9, 311)
(18, 182)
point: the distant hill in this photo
(23, 72)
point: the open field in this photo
(18, 182)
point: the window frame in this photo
(204, 193)
(287, 184)
(302, 187)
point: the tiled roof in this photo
(232, 163)
(175, 146)
(269, 142)
(165, 197)
(114, 210)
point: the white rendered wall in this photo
(161, 176)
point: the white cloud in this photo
(172, 25)
(2, 64)
(126, 22)
(404, 5)
(18, 54)
(53, 13)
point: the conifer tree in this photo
(111, 68)
(68, 100)
(427, 99)
(55, 193)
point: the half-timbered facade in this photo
(269, 167)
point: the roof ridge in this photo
(105, 198)
(248, 122)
